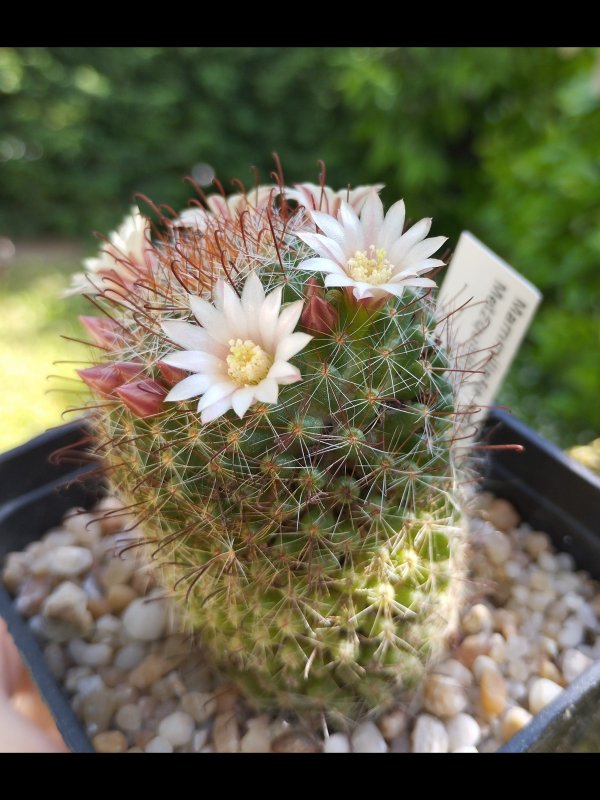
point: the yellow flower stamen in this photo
(247, 362)
(370, 266)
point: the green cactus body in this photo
(315, 543)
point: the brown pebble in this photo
(505, 622)
(98, 607)
(119, 597)
(117, 571)
(226, 735)
(226, 697)
(112, 676)
(477, 644)
(294, 742)
(141, 738)
(151, 669)
(110, 742)
(513, 721)
(493, 692)
(142, 581)
(109, 513)
(551, 671)
(502, 515)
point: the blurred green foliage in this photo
(502, 141)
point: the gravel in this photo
(139, 684)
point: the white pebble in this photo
(145, 619)
(539, 601)
(541, 693)
(429, 735)
(129, 718)
(497, 546)
(337, 743)
(158, 745)
(199, 740)
(367, 738)
(90, 655)
(483, 663)
(547, 562)
(257, 738)
(107, 628)
(454, 669)
(393, 724)
(565, 561)
(463, 731)
(478, 618)
(573, 663)
(68, 604)
(498, 648)
(548, 646)
(518, 669)
(572, 633)
(540, 580)
(89, 684)
(443, 696)
(516, 647)
(130, 655)
(64, 562)
(177, 728)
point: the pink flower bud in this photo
(103, 378)
(171, 375)
(104, 331)
(130, 370)
(143, 398)
(318, 316)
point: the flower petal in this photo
(267, 321)
(324, 247)
(339, 280)
(242, 400)
(371, 218)
(425, 248)
(234, 313)
(212, 320)
(409, 239)
(320, 265)
(216, 410)
(194, 361)
(330, 227)
(282, 372)
(288, 319)
(291, 345)
(217, 392)
(186, 335)
(267, 391)
(353, 228)
(189, 387)
(393, 224)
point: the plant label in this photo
(484, 309)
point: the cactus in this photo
(308, 521)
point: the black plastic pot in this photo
(549, 490)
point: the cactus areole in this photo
(272, 398)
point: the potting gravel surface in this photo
(139, 683)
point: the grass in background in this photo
(32, 319)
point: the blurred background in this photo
(504, 142)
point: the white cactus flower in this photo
(125, 258)
(370, 254)
(241, 353)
